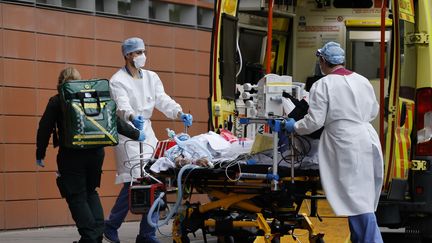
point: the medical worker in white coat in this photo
(136, 92)
(349, 154)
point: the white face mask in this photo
(139, 61)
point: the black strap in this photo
(77, 95)
(224, 225)
(82, 96)
(55, 138)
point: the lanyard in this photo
(139, 72)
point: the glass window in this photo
(99, 5)
(69, 3)
(366, 58)
(174, 13)
(408, 61)
(205, 17)
(124, 7)
(50, 2)
(152, 12)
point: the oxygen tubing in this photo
(176, 205)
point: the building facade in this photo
(41, 37)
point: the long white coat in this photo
(349, 154)
(138, 97)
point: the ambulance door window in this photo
(363, 57)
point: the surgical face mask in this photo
(139, 61)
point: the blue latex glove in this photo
(138, 122)
(40, 162)
(142, 136)
(289, 125)
(187, 119)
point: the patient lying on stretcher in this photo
(204, 150)
(211, 149)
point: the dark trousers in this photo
(79, 175)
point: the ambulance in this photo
(386, 41)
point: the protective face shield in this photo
(140, 60)
(321, 68)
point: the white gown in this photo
(138, 97)
(349, 153)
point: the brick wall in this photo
(35, 44)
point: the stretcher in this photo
(243, 203)
(248, 202)
(246, 210)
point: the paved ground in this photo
(335, 229)
(69, 234)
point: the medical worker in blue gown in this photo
(137, 92)
(349, 153)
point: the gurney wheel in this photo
(320, 240)
(184, 239)
(226, 239)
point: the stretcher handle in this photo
(141, 148)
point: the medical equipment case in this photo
(89, 118)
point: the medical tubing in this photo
(176, 205)
(137, 155)
(275, 161)
(184, 143)
(240, 56)
(292, 158)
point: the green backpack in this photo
(89, 114)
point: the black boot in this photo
(142, 239)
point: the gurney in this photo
(244, 205)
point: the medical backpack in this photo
(89, 114)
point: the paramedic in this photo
(137, 92)
(79, 170)
(349, 153)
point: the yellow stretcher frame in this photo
(228, 201)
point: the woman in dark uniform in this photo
(79, 170)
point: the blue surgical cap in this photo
(332, 52)
(131, 45)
